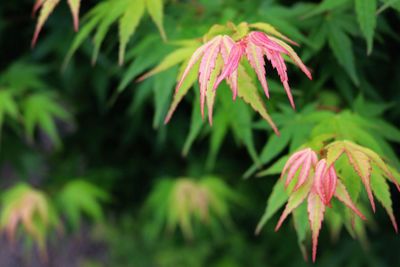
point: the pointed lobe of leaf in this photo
(207, 66)
(156, 12)
(293, 55)
(316, 209)
(342, 194)
(232, 63)
(128, 24)
(362, 166)
(295, 199)
(74, 5)
(256, 58)
(268, 28)
(47, 8)
(382, 192)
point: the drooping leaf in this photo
(217, 137)
(256, 59)
(156, 11)
(41, 110)
(362, 166)
(195, 126)
(47, 8)
(172, 59)
(276, 168)
(301, 225)
(268, 28)
(74, 5)
(163, 89)
(207, 66)
(110, 16)
(275, 201)
(342, 194)
(30, 208)
(293, 55)
(128, 24)
(316, 209)
(341, 46)
(249, 93)
(188, 82)
(295, 199)
(8, 106)
(210, 92)
(382, 193)
(79, 197)
(366, 15)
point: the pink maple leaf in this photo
(208, 53)
(318, 189)
(255, 46)
(304, 159)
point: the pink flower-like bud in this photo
(304, 159)
(325, 181)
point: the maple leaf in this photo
(230, 43)
(208, 54)
(304, 159)
(317, 183)
(255, 46)
(362, 160)
(189, 201)
(30, 208)
(46, 8)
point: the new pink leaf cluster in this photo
(208, 55)
(318, 183)
(254, 46)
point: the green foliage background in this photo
(92, 138)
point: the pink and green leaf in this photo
(362, 165)
(195, 57)
(47, 8)
(325, 181)
(293, 55)
(342, 194)
(295, 199)
(210, 92)
(374, 157)
(255, 56)
(186, 84)
(74, 6)
(249, 93)
(333, 153)
(316, 209)
(268, 28)
(207, 66)
(294, 168)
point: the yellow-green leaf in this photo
(249, 93)
(128, 24)
(45, 12)
(156, 10)
(74, 5)
(170, 60)
(186, 85)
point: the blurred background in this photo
(90, 176)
